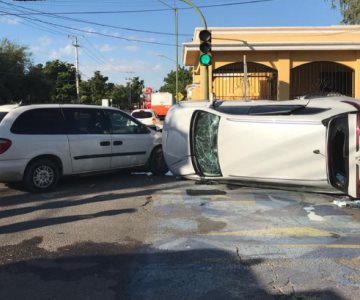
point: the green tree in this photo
(14, 63)
(350, 10)
(37, 87)
(95, 89)
(61, 77)
(135, 89)
(184, 79)
(119, 96)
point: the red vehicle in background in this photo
(159, 102)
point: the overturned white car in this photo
(310, 143)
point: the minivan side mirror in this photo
(143, 129)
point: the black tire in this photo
(157, 162)
(41, 175)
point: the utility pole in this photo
(129, 83)
(176, 12)
(77, 77)
(177, 54)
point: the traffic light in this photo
(205, 47)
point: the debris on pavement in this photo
(347, 203)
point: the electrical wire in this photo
(90, 22)
(93, 32)
(151, 10)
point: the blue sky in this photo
(127, 38)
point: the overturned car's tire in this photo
(157, 162)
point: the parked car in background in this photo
(41, 143)
(309, 143)
(148, 117)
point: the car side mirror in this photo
(143, 129)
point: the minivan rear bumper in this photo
(12, 170)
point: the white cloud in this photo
(157, 67)
(44, 41)
(58, 54)
(126, 66)
(131, 48)
(89, 30)
(105, 48)
(9, 20)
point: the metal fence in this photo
(321, 78)
(228, 82)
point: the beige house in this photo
(277, 62)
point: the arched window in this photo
(321, 78)
(229, 83)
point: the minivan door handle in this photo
(117, 143)
(105, 143)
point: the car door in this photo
(89, 139)
(131, 141)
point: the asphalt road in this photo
(144, 237)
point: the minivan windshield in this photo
(2, 115)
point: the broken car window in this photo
(204, 142)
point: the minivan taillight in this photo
(4, 145)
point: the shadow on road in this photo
(113, 271)
(77, 192)
(83, 185)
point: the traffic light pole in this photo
(206, 73)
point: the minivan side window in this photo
(40, 121)
(124, 124)
(86, 121)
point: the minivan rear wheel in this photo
(41, 175)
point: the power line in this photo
(93, 32)
(148, 10)
(55, 15)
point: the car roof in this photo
(31, 106)
(16, 110)
(8, 107)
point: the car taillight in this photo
(4, 145)
(153, 120)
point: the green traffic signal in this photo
(205, 47)
(205, 59)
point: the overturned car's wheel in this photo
(157, 162)
(41, 175)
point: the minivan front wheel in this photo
(41, 175)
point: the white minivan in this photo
(41, 143)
